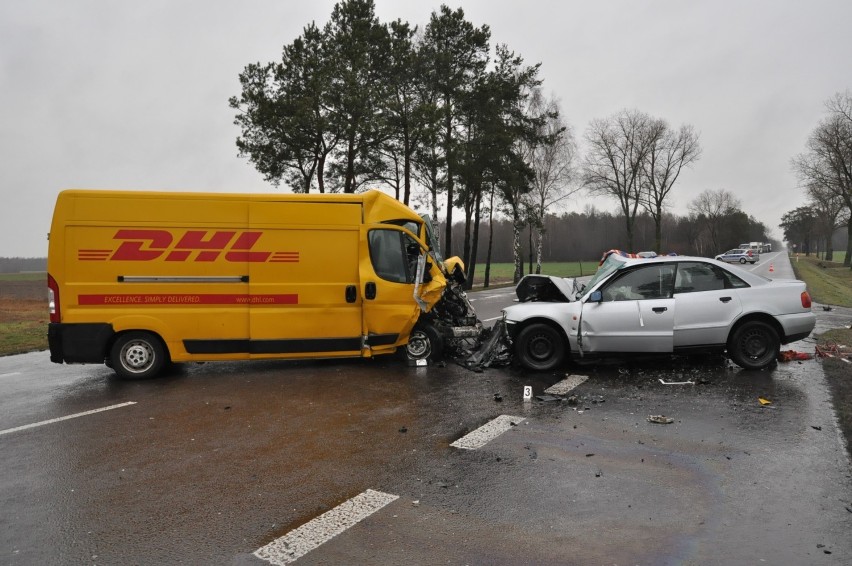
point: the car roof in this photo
(748, 276)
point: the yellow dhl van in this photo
(138, 279)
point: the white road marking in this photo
(74, 416)
(487, 432)
(566, 385)
(10, 374)
(300, 541)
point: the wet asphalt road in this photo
(215, 461)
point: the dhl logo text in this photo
(193, 245)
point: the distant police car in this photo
(661, 305)
(739, 255)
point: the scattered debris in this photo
(660, 419)
(498, 398)
(816, 427)
(832, 350)
(403, 429)
(548, 398)
(764, 401)
(676, 382)
(492, 348)
(791, 355)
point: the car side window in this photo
(731, 280)
(391, 254)
(647, 282)
(695, 276)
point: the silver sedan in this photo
(662, 305)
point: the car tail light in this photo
(53, 298)
(806, 300)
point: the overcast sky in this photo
(134, 95)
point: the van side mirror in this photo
(595, 297)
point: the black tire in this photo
(742, 260)
(424, 342)
(540, 347)
(754, 345)
(137, 355)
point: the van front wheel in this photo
(424, 342)
(137, 355)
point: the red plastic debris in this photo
(792, 355)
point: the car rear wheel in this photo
(754, 345)
(137, 355)
(424, 342)
(540, 347)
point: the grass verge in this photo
(831, 284)
(23, 326)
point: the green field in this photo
(501, 273)
(829, 283)
(29, 276)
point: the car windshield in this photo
(612, 263)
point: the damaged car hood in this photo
(547, 288)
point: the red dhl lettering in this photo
(192, 245)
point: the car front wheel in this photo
(540, 347)
(754, 345)
(742, 260)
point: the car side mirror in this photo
(595, 297)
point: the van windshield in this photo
(431, 238)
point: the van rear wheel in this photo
(137, 355)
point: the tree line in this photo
(824, 170)
(22, 264)
(439, 117)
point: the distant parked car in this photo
(739, 255)
(663, 305)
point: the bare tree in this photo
(618, 147)
(671, 152)
(551, 159)
(826, 162)
(710, 209)
(831, 213)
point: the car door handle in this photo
(659, 309)
(725, 299)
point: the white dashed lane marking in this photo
(315, 532)
(74, 416)
(9, 374)
(566, 385)
(487, 432)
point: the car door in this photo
(706, 305)
(632, 312)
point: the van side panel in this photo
(174, 266)
(317, 265)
